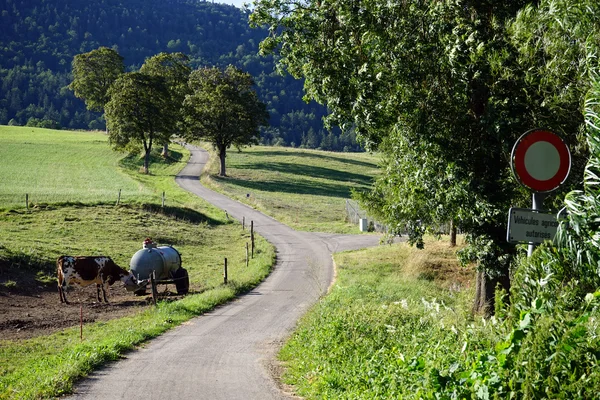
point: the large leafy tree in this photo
(437, 87)
(175, 69)
(138, 113)
(223, 108)
(93, 74)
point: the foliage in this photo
(139, 112)
(175, 70)
(93, 74)
(223, 109)
(39, 41)
(439, 89)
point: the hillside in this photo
(39, 40)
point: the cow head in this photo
(128, 279)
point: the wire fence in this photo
(37, 199)
(354, 215)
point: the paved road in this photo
(229, 353)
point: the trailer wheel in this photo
(182, 281)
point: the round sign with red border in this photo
(541, 160)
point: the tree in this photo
(138, 112)
(93, 74)
(436, 87)
(175, 70)
(223, 109)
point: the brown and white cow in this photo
(85, 270)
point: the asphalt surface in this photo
(229, 353)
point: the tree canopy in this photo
(138, 113)
(93, 74)
(223, 108)
(441, 90)
(175, 70)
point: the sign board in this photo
(530, 226)
(540, 160)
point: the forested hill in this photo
(38, 40)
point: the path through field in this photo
(229, 353)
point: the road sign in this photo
(530, 226)
(540, 160)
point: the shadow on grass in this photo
(311, 188)
(181, 213)
(312, 171)
(25, 273)
(317, 156)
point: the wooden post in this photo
(252, 236)
(27, 201)
(225, 272)
(243, 223)
(153, 284)
(163, 199)
(81, 322)
(119, 198)
(247, 260)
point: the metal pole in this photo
(538, 204)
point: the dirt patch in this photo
(34, 310)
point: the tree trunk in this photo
(165, 150)
(222, 153)
(452, 233)
(147, 161)
(485, 293)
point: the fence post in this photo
(119, 198)
(163, 199)
(153, 284)
(247, 260)
(225, 272)
(252, 236)
(243, 223)
(27, 201)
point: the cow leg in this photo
(62, 292)
(98, 292)
(104, 289)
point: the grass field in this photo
(395, 314)
(62, 166)
(73, 180)
(305, 189)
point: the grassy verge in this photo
(392, 327)
(305, 189)
(60, 223)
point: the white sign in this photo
(529, 226)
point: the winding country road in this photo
(229, 353)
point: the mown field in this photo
(305, 189)
(41, 349)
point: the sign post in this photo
(541, 162)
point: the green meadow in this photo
(60, 166)
(305, 189)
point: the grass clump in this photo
(305, 189)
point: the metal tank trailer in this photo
(164, 262)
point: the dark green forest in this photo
(38, 41)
